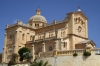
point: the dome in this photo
(38, 17)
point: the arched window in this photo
(65, 44)
(23, 37)
(63, 33)
(31, 37)
(36, 25)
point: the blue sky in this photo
(13, 10)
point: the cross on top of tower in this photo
(79, 8)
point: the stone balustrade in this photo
(70, 52)
(46, 54)
(67, 52)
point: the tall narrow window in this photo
(61, 34)
(23, 37)
(31, 37)
(64, 44)
(36, 25)
(10, 36)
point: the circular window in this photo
(50, 48)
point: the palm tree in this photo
(40, 63)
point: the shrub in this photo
(75, 54)
(11, 62)
(86, 53)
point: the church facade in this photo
(70, 33)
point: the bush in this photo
(11, 63)
(86, 53)
(75, 54)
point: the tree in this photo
(27, 56)
(14, 57)
(40, 63)
(21, 51)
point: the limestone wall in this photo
(93, 60)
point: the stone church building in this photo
(70, 33)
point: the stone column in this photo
(55, 45)
(4, 50)
(33, 52)
(43, 47)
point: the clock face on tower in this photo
(79, 29)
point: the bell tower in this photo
(77, 27)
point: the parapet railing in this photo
(70, 52)
(95, 51)
(57, 53)
(46, 54)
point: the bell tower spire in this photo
(38, 11)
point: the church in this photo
(68, 34)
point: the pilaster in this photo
(16, 42)
(55, 45)
(43, 47)
(4, 50)
(62, 44)
(86, 29)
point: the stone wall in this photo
(69, 60)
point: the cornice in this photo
(77, 36)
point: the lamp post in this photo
(55, 56)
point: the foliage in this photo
(75, 54)
(11, 62)
(86, 53)
(27, 56)
(21, 51)
(40, 63)
(13, 59)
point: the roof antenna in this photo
(79, 8)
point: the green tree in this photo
(21, 51)
(27, 56)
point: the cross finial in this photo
(38, 8)
(38, 11)
(79, 8)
